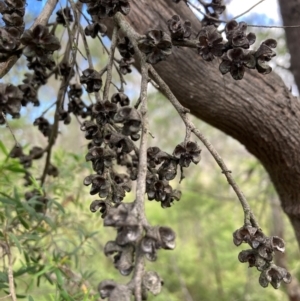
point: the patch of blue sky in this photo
(34, 8)
(258, 19)
(266, 13)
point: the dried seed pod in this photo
(157, 45)
(123, 261)
(264, 54)
(92, 30)
(106, 287)
(274, 275)
(36, 152)
(120, 293)
(152, 282)
(52, 170)
(16, 152)
(277, 244)
(123, 214)
(179, 30)
(10, 100)
(236, 34)
(125, 48)
(99, 204)
(128, 234)
(125, 64)
(148, 246)
(234, 61)
(108, 8)
(210, 43)
(92, 79)
(64, 16)
(43, 125)
(217, 5)
(39, 41)
(120, 98)
(91, 129)
(251, 235)
(36, 200)
(104, 112)
(167, 238)
(119, 141)
(130, 118)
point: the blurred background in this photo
(204, 265)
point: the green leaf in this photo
(44, 270)
(48, 278)
(23, 222)
(7, 201)
(21, 296)
(24, 270)
(3, 285)
(57, 204)
(27, 259)
(36, 185)
(14, 168)
(16, 241)
(49, 221)
(29, 208)
(59, 277)
(3, 277)
(30, 298)
(3, 148)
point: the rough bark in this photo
(258, 111)
(293, 289)
(290, 11)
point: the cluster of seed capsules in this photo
(261, 255)
(234, 53)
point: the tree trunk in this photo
(259, 111)
(290, 11)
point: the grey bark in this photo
(290, 11)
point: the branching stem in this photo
(110, 63)
(11, 131)
(133, 36)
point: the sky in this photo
(270, 8)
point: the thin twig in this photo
(141, 179)
(110, 63)
(142, 169)
(51, 106)
(274, 26)
(123, 82)
(86, 47)
(204, 14)
(5, 297)
(238, 16)
(246, 11)
(188, 123)
(11, 131)
(164, 88)
(89, 57)
(11, 282)
(59, 102)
